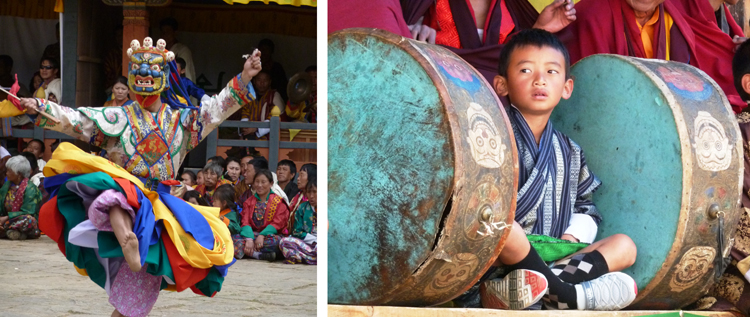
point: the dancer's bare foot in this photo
(130, 250)
(117, 314)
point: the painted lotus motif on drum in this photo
(685, 84)
(455, 70)
(711, 144)
(695, 263)
(486, 145)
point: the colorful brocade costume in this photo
(181, 245)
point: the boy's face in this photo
(180, 70)
(536, 80)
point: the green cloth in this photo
(303, 220)
(268, 230)
(247, 232)
(32, 198)
(234, 222)
(552, 249)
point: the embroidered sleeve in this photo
(214, 110)
(93, 125)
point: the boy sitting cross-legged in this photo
(554, 195)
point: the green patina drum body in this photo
(422, 171)
(665, 143)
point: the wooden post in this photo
(134, 27)
(273, 139)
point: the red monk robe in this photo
(381, 14)
(734, 28)
(609, 26)
(453, 20)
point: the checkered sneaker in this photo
(611, 291)
(517, 290)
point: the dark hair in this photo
(180, 61)
(41, 144)
(233, 159)
(226, 194)
(32, 160)
(267, 42)
(311, 170)
(31, 83)
(311, 182)
(220, 160)
(259, 163)
(265, 173)
(170, 21)
(531, 37)
(7, 60)
(192, 175)
(53, 61)
(311, 68)
(741, 67)
(194, 194)
(122, 79)
(290, 164)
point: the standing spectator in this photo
(275, 69)
(37, 147)
(18, 202)
(286, 171)
(169, 28)
(53, 50)
(49, 69)
(120, 91)
(190, 88)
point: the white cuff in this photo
(310, 238)
(582, 227)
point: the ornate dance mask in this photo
(148, 68)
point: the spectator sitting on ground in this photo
(120, 91)
(194, 198)
(306, 172)
(190, 87)
(35, 175)
(169, 28)
(264, 217)
(279, 80)
(18, 202)
(243, 190)
(219, 160)
(224, 200)
(37, 147)
(233, 170)
(212, 173)
(286, 171)
(199, 178)
(244, 163)
(302, 245)
(189, 178)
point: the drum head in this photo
(640, 124)
(420, 163)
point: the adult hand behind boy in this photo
(556, 16)
(570, 238)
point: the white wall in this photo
(24, 40)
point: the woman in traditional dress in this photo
(306, 172)
(264, 217)
(19, 199)
(211, 181)
(233, 170)
(302, 245)
(120, 91)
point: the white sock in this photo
(256, 255)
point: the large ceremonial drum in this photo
(421, 171)
(665, 143)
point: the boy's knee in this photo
(627, 247)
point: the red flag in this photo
(14, 90)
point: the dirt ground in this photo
(37, 280)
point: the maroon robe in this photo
(483, 56)
(609, 26)
(380, 14)
(734, 28)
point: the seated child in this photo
(534, 72)
(224, 199)
(302, 245)
(194, 197)
(190, 87)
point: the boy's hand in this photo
(570, 238)
(252, 67)
(556, 16)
